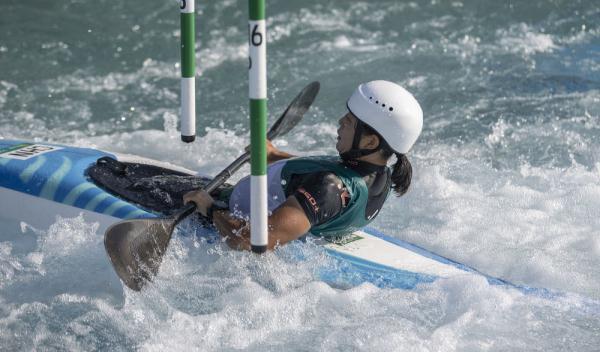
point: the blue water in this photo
(506, 172)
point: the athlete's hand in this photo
(202, 199)
(272, 152)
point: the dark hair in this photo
(402, 169)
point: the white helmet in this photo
(390, 110)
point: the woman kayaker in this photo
(330, 196)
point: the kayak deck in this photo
(58, 174)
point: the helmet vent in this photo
(382, 104)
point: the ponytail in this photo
(401, 171)
(401, 175)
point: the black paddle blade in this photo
(136, 248)
(295, 111)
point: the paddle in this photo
(136, 247)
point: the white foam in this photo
(523, 39)
(9, 265)
(5, 88)
(505, 223)
(166, 145)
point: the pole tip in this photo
(188, 139)
(259, 249)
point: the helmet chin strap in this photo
(355, 152)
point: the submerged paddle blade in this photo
(295, 111)
(136, 248)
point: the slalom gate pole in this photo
(188, 71)
(258, 125)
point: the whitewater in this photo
(506, 175)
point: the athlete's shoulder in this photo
(321, 196)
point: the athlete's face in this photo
(345, 133)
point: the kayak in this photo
(39, 181)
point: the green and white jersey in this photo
(282, 180)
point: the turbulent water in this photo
(506, 172)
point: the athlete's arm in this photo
(274, 154)
(287, 223)
(321, 195)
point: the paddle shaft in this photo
(214, 184)
(281, 127)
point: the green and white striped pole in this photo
(258, 125)
(188, 71)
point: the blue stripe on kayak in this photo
(85, 197)
(540, 292)
(114, 207)
(74, 194)
(436, 257)
(420, 277)
(105, 204)
(49, 189)
(98, 199)
(93, 203)
(123, 211)
(362, 270)
(137, 213)
(417, 249)
(26, 174)
(75, 178)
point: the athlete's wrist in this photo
(278, 155)
(215, 206)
